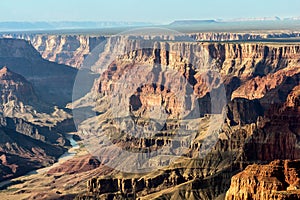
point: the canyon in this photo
(32, 123)
(228, 111)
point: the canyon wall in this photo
(261, 123)
(71, 49)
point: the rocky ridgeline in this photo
(44, 134)
(231, 59)
(226, 36)
(19, 49)
(63, 49)
(72, 49)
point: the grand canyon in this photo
(150, 114)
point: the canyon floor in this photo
(44, 184)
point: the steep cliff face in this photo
(276, 138)
(46, 77)
(232, 60)
(66, 49)
(255, 130)
(244, 60)
(277, 180)
(72, 49)
(247, 71)
(237, 59)
(19, 99)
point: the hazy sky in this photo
(143, 10)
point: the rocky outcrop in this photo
(15, 87)
(257, 87)
(76, 165)
(293, 98)
(44, 134)
(18, 49)
(162, 184)
(243, 111)
(277, 180)
(25, 147)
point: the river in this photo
(66, 156)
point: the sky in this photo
(158, 11)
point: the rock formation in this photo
(255, 128)
(15, 87)
(76, 165)
(277, 180)
(25, 147)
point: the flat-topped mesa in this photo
(243, 36)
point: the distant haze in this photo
(179, 25)
(154, 11)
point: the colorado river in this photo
(66, 156)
